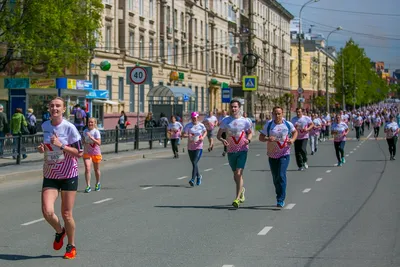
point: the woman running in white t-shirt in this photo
(92, 153)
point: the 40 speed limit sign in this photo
(138, 75)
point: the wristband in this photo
(248, 140)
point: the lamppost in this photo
(300, 70)
(326, 70)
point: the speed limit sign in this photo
(138, 75)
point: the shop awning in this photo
(98, 101)
(170, 91)
(52, 91)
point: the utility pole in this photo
(343, 88)
(355, 88)
(249, 95)
(206, 55)
(300, 66)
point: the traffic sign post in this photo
(185, 98)
(138, 75)
(300, 90)
(249, 83)
(226, 95)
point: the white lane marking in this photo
(32, 222)
(228, 265)
(265, 230)
(257, 155)
(328, 171)
(207, 170)
(306, 190)
(319, 179)
(226, 164)
(145, 188)
(290, 206)
(335, 164)
(347, 155)
(103, 200)
(351, 152)
(183, 177)
(355, 149)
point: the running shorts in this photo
(237, 160)
(70, 184)
(95, 158)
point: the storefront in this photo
(96, 100)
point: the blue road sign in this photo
(226, 95)
(249, 83)
(185, 98)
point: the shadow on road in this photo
(370, 160)
(166, 185)
(223, 207)
(270, 170)
(14, 257)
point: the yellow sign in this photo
(42, 83)
(71, 84)
(249, 83)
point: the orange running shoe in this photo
(59, 240)
(70, 253)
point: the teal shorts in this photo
(237, 160)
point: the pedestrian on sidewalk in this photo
(62, 147)
(174, 132)
(79, 117)
(18, 126)
(392, 133)
(303, 125)
(339, 131)
(279, 135)
(237, 140)
(3, 128)
(195, 131)
(31, 120)
(92, 153)
(150, 123)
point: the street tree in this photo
(49, 36)
(360, 83)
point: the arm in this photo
(310, 126)
(249, 137)
(294, 137)
(219, 137)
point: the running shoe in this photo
(393, 158)
(339, 164)
(300, 169)
(223, 154)
(242, 198)
(236, 203)
(70, 252)
(59, 240)
(209, 149)
(198, 181)
(280, 204)
(98, 187)
(306, 165)
(343, 160)
(191, 182)
(88, 189)
(312, 153)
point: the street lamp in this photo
(326, 69)
(300, 71)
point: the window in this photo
(182, 22)
(121, 88)
(196, 62)
(141, 13)
(141, 47)
(109, 86)
(201, 28)
(195, 27)
(131, 43)
(169, 55)
(151, 47)
(151, 6)
(168, 16)
(208, 99)
(108, 38)
(132, 98)
(202, 99)
(107, 2)
(141, 98)
(175, 19)
(162, 48)
(202, 61)
(131, 4)
(183, 56)
(231, 40)
(95, 81)
(176, 55)
(196, 90)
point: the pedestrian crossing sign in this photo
(249, 83)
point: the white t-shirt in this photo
(175, 129)
(194, 132)
(301, 124)
(90, 146)
(280, 147)
(210, 122)
(391, 130)
(57, 164)
(236, 133)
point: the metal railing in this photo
(20, 145)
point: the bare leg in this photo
(97, 172)
(88, 163)
(67, 204)
(238, 177)
(49, 196)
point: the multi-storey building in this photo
(314, 57)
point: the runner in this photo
(303, 125)
(314, 133)
(279, 135)
(377, 122)
(357, 122)
(392, 132)
(210, 122)
(238, 137)
(339, 132)
(62, 147)
(174, 131)
(328, 125)
(220, 118)
(92, 153)
(196, 132)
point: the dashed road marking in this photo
(265, 230)
(351, 152)
(306, 190)
(228, 265)
(145, 188)
(328, 171)
(32, 222)
(290, 206)
(257, 155)
(103, 200)
(183, 177)
(226, 164)
(347, 155)
(207, 170)
(319, 179)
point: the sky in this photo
(373, 25)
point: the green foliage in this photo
(53, 34)
(360, 81)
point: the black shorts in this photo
(70, 184)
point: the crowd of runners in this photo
(63, 145)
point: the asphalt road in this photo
(148, 216)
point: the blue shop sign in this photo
(94, 94)
(16, 83)
(84, 85)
